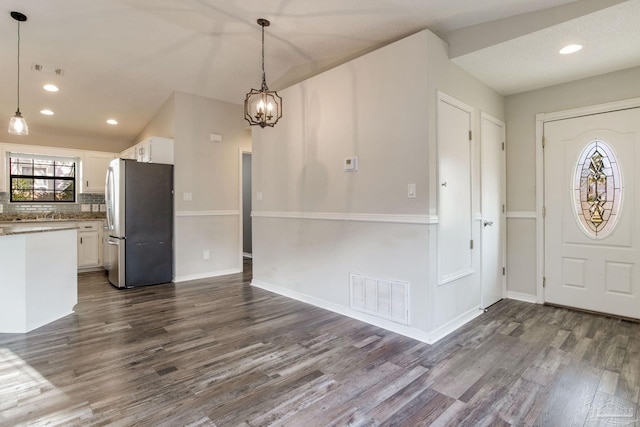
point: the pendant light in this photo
(263, 107)
(17, 124)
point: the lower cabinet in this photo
(89, 245)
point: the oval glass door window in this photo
(597, 189)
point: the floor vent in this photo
(387, 299)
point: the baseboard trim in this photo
(207, 275)
(407, 331)
(518, 296)
(455, 324)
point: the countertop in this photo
(14, 229)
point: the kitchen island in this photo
(39, 282)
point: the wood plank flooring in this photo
(218, 352)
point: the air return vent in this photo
(387, 299)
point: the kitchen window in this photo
(40, 179)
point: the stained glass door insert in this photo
(597, 189)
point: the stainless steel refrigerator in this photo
(139, 199)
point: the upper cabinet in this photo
(151, 150)
(155, 150)
(4, 174)
(94, 170)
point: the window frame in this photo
(17, 156)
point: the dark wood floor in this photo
(219, 352)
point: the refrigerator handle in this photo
(109, 194)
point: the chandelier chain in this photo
(264, 77)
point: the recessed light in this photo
(112, 121)
(46, 112)
(572, 48)
(50, 88)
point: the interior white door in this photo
(492, 167)
(591, 201)
(454, 195)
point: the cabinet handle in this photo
(81, 240)
(87, 183)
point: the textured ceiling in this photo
(124, 58)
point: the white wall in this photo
(521, 168)
(460, 297)
(316, 224)
(210, 172)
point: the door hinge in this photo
(470, 135)
(544, 282)
(544, 211)
(504, 271)
(471, 244)
(503, 146)
(544, 141)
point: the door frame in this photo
(241, 151)
(541, 118)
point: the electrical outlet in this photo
(259, 195)
(206, 254)
(103, 207)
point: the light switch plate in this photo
(215, 137)
(85, 208)
(411, 191)
(259, 195)
(187, 197)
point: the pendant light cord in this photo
(18, 66)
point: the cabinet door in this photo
(94, 170)
(143, 151)
(129, 153)
(4, 173)
(88, 249)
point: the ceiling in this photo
(124, 58)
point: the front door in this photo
(592, 232)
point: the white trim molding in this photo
(518, 296)
(207, 213)
(457, 275)
(522, 215)
(207, 275)
(356, 217)
(407, 331)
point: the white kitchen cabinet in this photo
(155, 150)
(4, 172)
(94, 170)
(89, 244)
(129, 153)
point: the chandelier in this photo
(263, 107)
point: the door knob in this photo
(489, 223)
